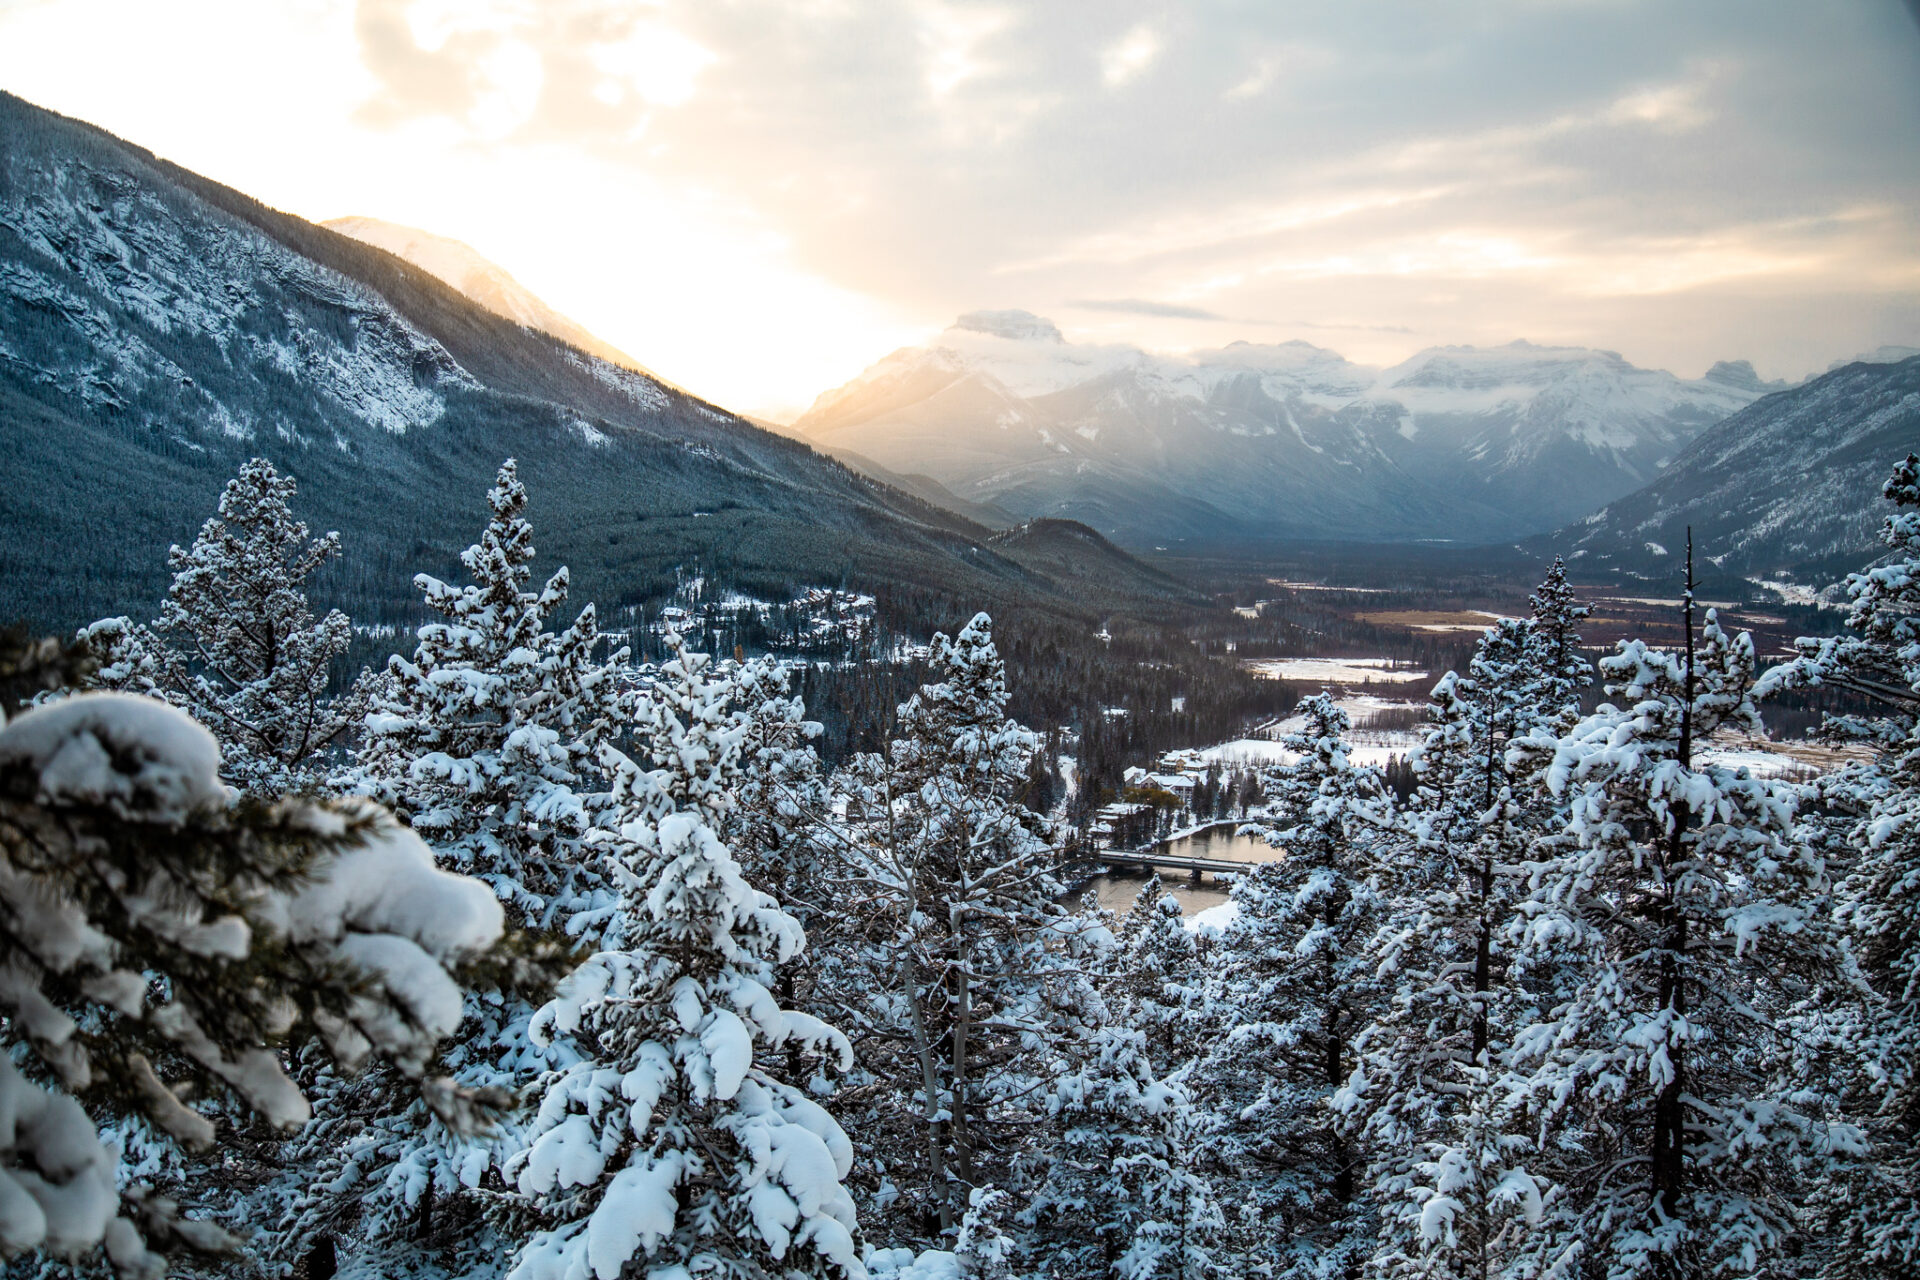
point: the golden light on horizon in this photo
(759, 201)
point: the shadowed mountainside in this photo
(156, 328)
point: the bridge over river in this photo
(1117, 875)
(1155, 860)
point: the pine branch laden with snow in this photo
(964, 964)
(488, 735)
(690, 737)
(1431, 1097)
(159, 945)
(1880, 660)
(1692, 913)
(1121, 1197)
(1156, 985)
(1872, 811)
(1293, 986)
(665, 1148)
(236, 644)
(781, 792)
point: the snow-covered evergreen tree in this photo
(1121, 1197)
(1696, 913)
(487, 735)
(966, 964)
(1431, 1097)
(1559, 669)
(1156, 986)
(1876, 808)
(486, 738)
(236, 644)
(663, 1147)
(782, 792)
(1293, 985)
(160, 942)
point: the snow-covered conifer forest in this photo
(523, 958)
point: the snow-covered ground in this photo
(1759, 762)
(1265, 752)
(1376, 747)
(1213, 919)
(1321, 586)
(1666, 602)
(1790, 758)
(1794, 593)
(1335, 670)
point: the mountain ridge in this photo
(1262, 441)
(1789, 487)
(157, 327)
(483, 281)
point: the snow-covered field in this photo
(1262, 751)
(1376, 747)
(1335, 670)
(1760, 762)
(1794, 593)
(1666, 602)
(1321, 586)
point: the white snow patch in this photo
(903, 1264)
(1213, 919)
(1334, 670)
(1261, 751)
(117, 749)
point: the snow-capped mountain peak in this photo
(1740, 375)
(1787, 488)
(1289, 366)
(1496, 441)
(1518, 363)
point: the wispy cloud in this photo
(758, 197)
(1176, 311)
(1147, 307)
(1348, 328)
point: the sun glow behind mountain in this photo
(759, 200)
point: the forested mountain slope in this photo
(157, 328)
(1790, 486)
(1254, 443)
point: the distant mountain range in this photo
(157, 328)
(1253, 443)
(1787, 488)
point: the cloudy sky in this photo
(758, 199)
